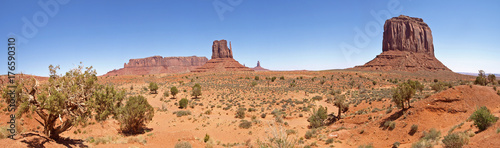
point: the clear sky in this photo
(281, 34)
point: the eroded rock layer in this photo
(159, 64)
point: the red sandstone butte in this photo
(407, 46)
(222, 59)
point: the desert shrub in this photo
(404, 92)
(390, 125)
(253, 84)
(196, 90)
(183, 103)
(282, 78)
(183, 144)
(422, 144)
(396, 144)
(481, 78)
(273, 79)
(432, 135)
(455, 140)
(310, 134)
(374, 82)
(240, 113)
(182, 113)
(318, 117)
(317, 98)
(483, 118)
(492, 79)
(498, 92)
(290, 131)
(435, 80)
(135, 114)
(174, 91)
(366, 146)
(257, 78)
(413, 129)
(4, 133)
(328, 141)
(106, 101)
(153, 87)
(342, 105)
(263, 115)
(245, 124)
(207, 137)
(166, 94)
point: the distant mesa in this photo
(159, 64)
(258, 68)
(222, 59)
(407, 46)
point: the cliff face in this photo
(406, 33)
(222, 59)
(220, 50)
(407, 46)
(158, 64)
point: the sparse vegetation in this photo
(318, 117)
(455, 140)
(481, 79)
(135, 114)
(483, 118)
(245, 124)
(183, 103)
(153, 87)
(413, 129)
(183, 144)
(341, 104)
(196, 90)
(240, 113)
(174, 91)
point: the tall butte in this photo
(222, 59)
(406, 46)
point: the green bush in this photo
(483, 118)
(240, 113)
(366, 146)
(432, 135)
(174, 91)
(166, 94)
(390, 125)
(183, 144)
(310, 134)
(481, 78)
(282, 78)
(183, 103)
(196, 90)
(253, 84)
(317, 98)
(182, 113)
(257, 78)
(413, 129)
(404, 92)
(318, 117)
(135, 114)
(330, 140)
(245, 124)
(207, 137)
(455, 140)
(153, 87)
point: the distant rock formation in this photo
(407, 46)
(258, 68)
(159, 64)
(222, 59)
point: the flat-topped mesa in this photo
(159, 64)
(406, 33)
(222, 59)
(220, 50)
(406, 46)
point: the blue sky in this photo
(281, 34)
